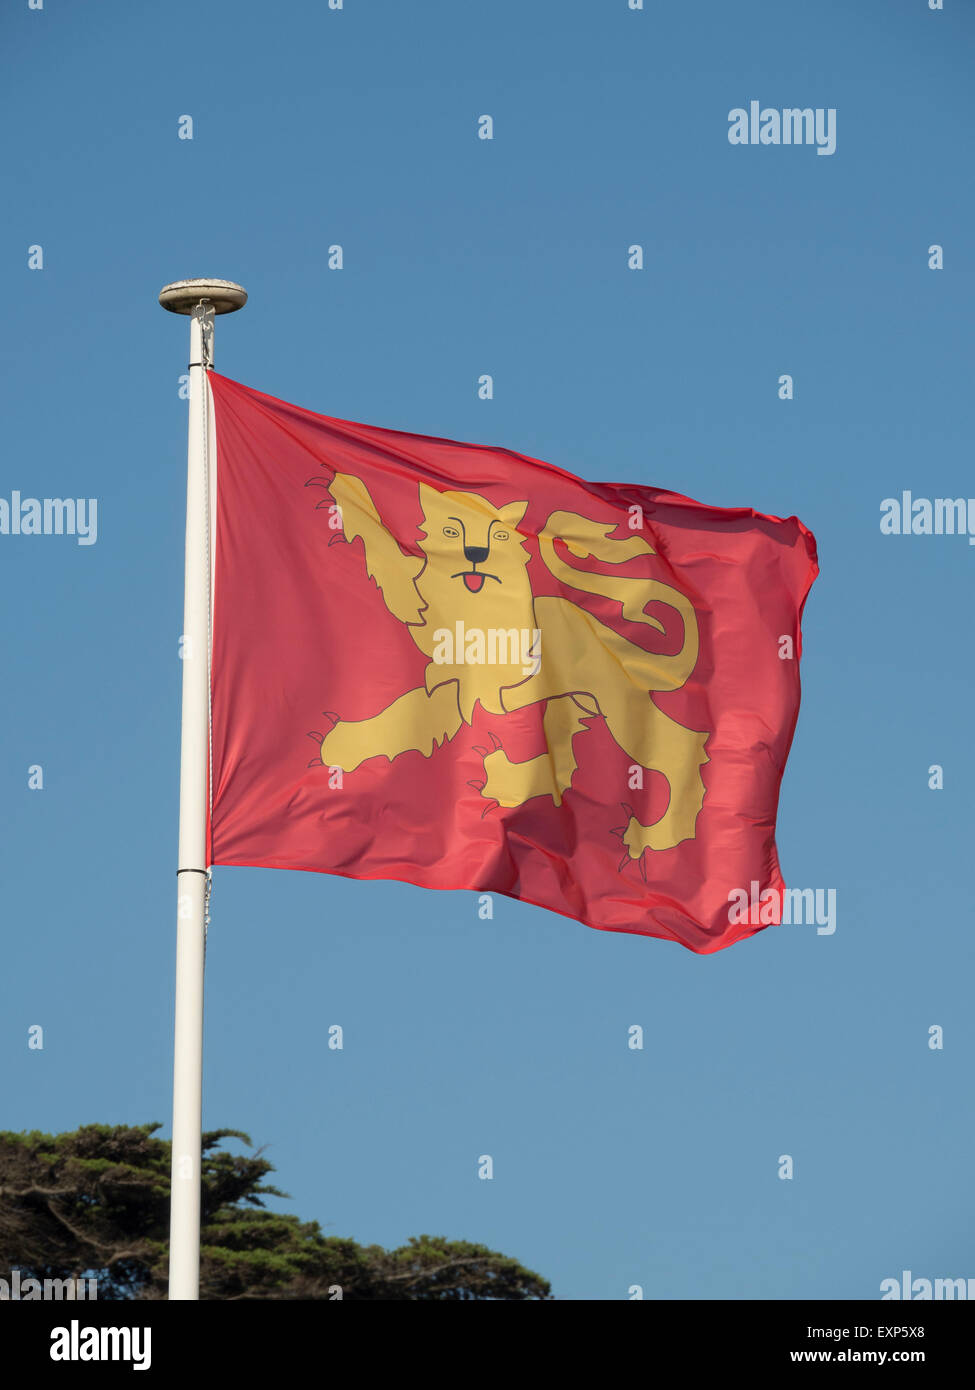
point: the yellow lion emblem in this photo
(469, 607)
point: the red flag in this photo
(577, 694)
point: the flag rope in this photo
(206, 354)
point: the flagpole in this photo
(201, 300)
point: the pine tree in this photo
(94, 1203)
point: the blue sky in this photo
(509, 1037)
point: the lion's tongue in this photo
(474, 582)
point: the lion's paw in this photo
(638, 838)
(504, 782)
(338, 745)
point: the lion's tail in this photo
(585, 538)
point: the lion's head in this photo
(474, 580)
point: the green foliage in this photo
(95, 1202)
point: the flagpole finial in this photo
(182, 296)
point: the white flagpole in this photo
(200, 299)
